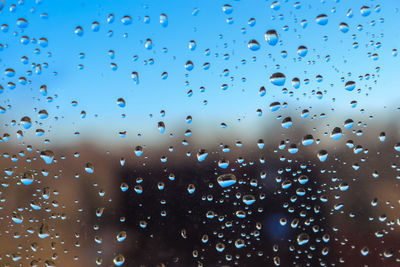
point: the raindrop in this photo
(278, 79)
(79, 31)
(365, 11)
(322, 155)
(148, 44)
(89, 168)
(189, 65)
(248, 199)
(164, 20)
(303, 238)
(22, 23)
(336, 133)
(227, 9)
(343, 27)
(322, 19)
(47, 156)
(287, 122)
(26, 122)
(253, 45)
(95, 26)
(302, 51)
(119, 260)
(161, 127)
(27, 178)
(226, 180)
(138, 151)
(126, 20)
(121, 102)
(202, 155)
(121, 236)
(271, 37)
(350, 85)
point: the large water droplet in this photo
(278, 79)
(350, 85)
(227, 9)
(365, 11)
(119, 260)
(322, 19)
(303, 238)
(126, 20)
(22, 23)
(226, 180)
(163, 20)
(322, 155)
(202, 155)
(47, 156)
(271, 37)
(253, 45)
(27, 178)
(26, 122)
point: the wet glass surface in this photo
(199, 133)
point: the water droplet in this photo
(364, 251)
(226, 180)
(138, 151)
(22, 23)
(348, 124)
(17, 217)
(119, 260)
(47, 156)
(189, 65)
(253, 45)
(336, 133)
(322, 19)
(382, 136)
(43, 114)
(271, 37)
(322, 155)
(397, 147)
(191, 188)
(95, 26)
(365, 11)
(192, 45)
(79, 31)
(121, 102)
(124, 187)
(303, 179)
(303, 238)
(161, 127)
(135, 77)
(164, 20)
(89, 168)
(223, 164)
(121, 236)
(239, 243)
(248, 199)
(278, 79)
(148, 44)
(227, 9)
(27, 178)
(343, 27)
(202, 155)
(287, 122)
(220, 247)
(26, 122)
(302, 51)
(350, 85)
(126, 20)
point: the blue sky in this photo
(97, 87)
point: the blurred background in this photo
(119, 118)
